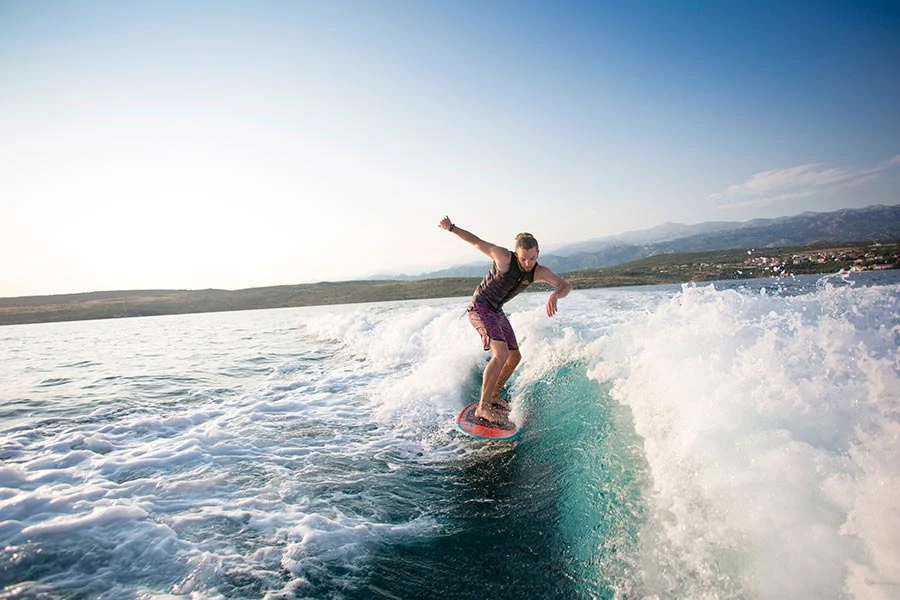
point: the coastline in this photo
(660, 269)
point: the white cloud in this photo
(781, 185)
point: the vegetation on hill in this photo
(665, 268)
(743, 263)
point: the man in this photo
(509, 275)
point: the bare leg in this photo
(489, 381)
(512, 361)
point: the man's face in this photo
(527, 258)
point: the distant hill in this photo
(662, 268)
(661, 233)
(875, 223)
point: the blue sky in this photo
(223, 144)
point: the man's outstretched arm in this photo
(498, 254)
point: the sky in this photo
(192, 145)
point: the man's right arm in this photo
(498, 254)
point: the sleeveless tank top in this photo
(497, 288)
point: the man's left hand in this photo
(551, 305)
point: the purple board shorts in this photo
(492, 325)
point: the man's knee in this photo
(500, 351)
(514, 357)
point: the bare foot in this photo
(490, 414)
(499, 403)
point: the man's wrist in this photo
(451, 228)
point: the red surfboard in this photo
(469, 424)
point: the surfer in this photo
(511, 272)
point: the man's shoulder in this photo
(542, 271)
(502, 254)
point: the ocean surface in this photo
(728, 440)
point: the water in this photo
(740, 440)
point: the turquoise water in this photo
(728, 441)
(548, 516)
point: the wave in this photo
(771, 428)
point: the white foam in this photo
(11, 476)
(344, 541)
(98, 516)
(768, 424)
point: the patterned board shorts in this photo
(492, 325)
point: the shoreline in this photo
(656, 270)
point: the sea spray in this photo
(768, 422)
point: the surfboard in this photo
(469, 424)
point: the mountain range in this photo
(872, 223)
